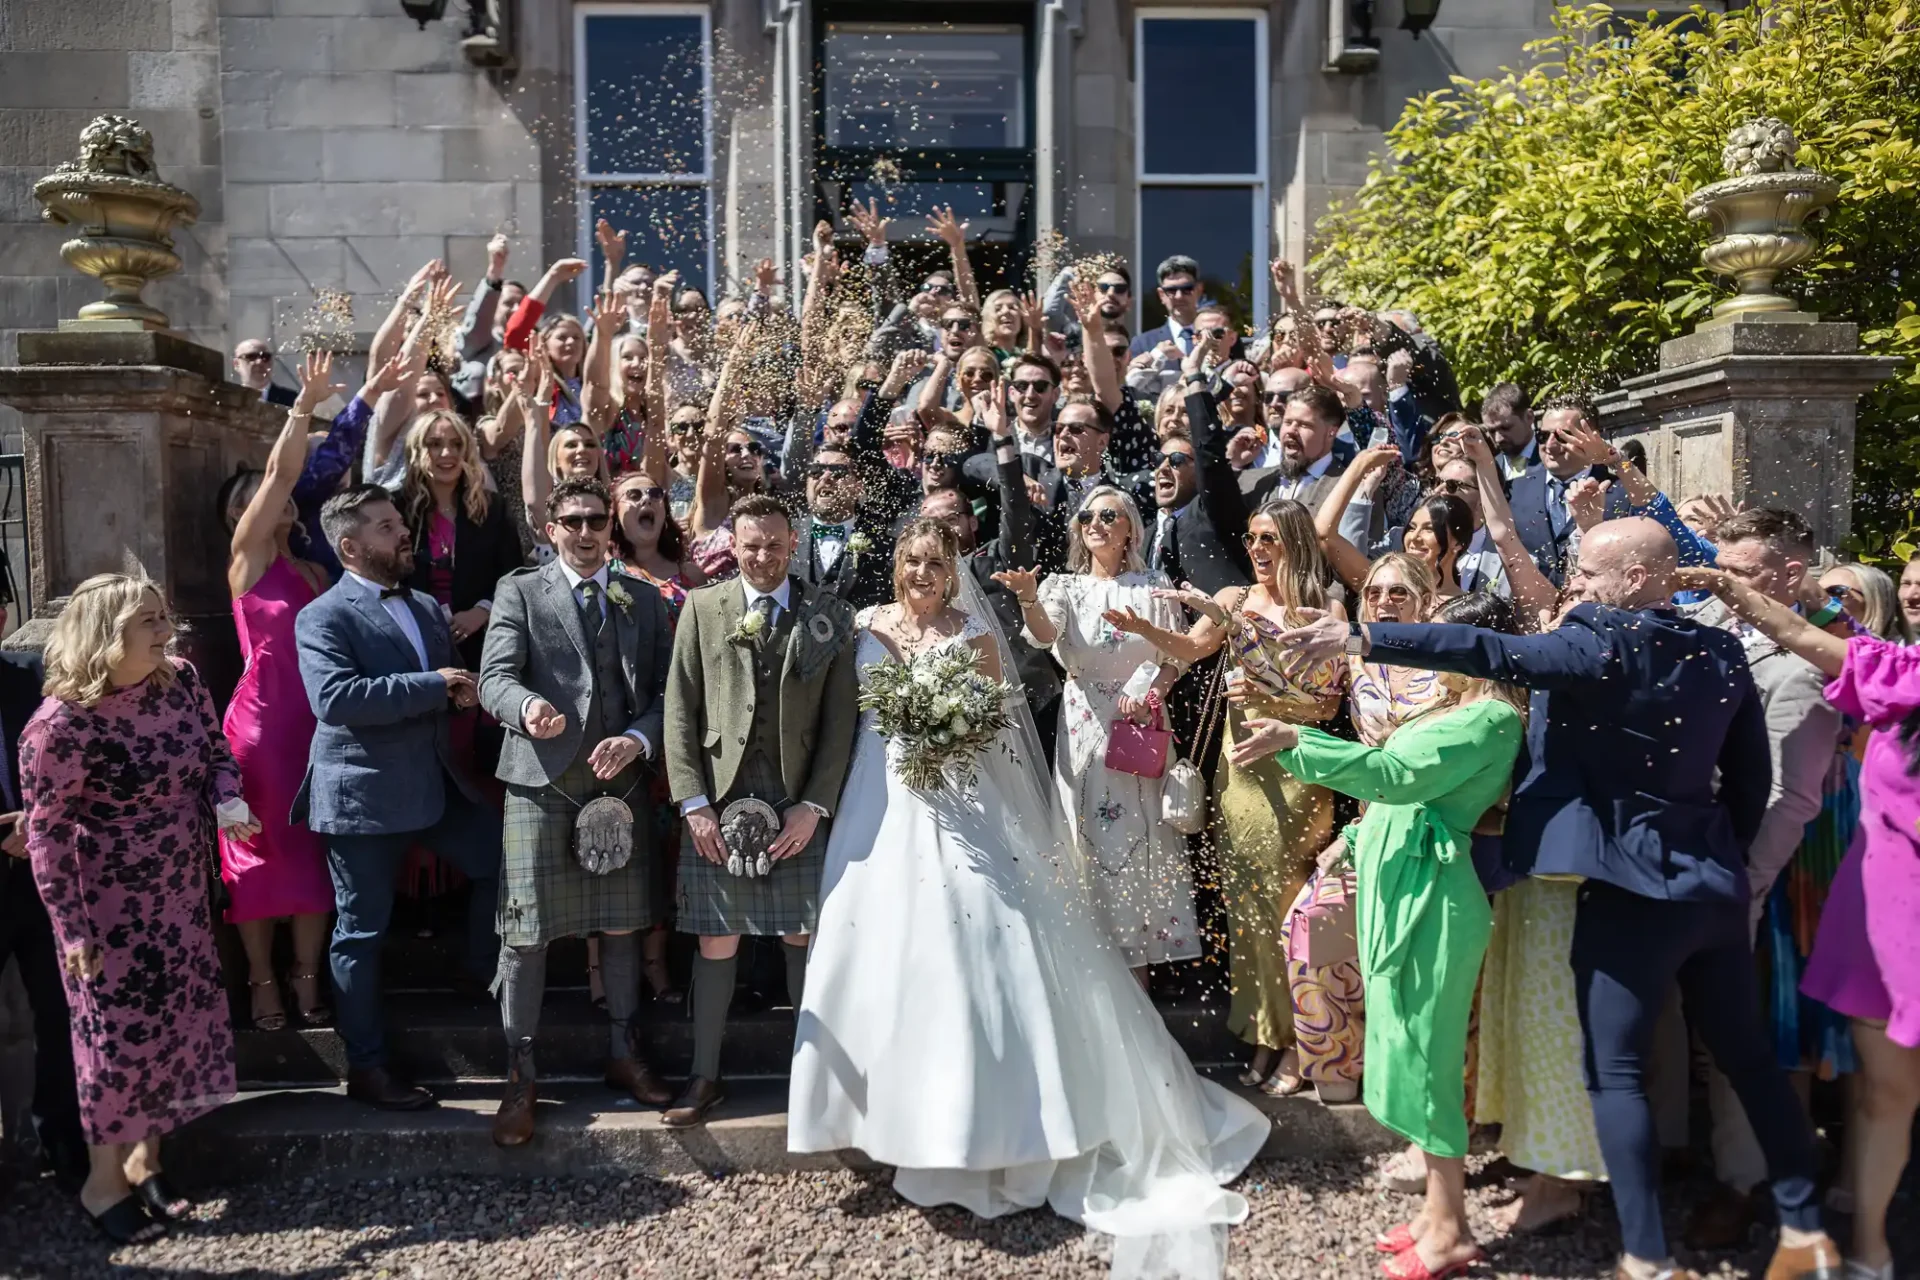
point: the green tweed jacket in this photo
(710, 693)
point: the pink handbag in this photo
(1137, 749)
(1323, 934)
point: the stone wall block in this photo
(31, 249)
(377, 155)
(447, 99)
(274, 155)
(51, 77)
(247, 210)
(32, 303)
(378, 266)
(196, 26)
(453, 208)
(334, 208)
(279, 44)
(173, 81)
(490, 155)
(396, 43)
(90, 24)
(332, 102)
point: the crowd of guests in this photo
(1513, 762)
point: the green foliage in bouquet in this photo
(1535, 223)
(940, 709)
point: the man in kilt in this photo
(575, 667)
(762, 703)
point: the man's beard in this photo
(395, 566)
(1112, 310)
(1293, 465)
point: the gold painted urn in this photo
(122, 215)
(1757, 214)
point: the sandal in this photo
(1285, 1079)
(319, 1015)
(661, 980)
(1253, 1077)
(1407, 1265)
(1398, 1240)
(126, 1222)
(160, 1198)
(275, 1021)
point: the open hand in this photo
(1322, 636)
(1587, 499)
(1128, 621)
(1191, 597)
(612, 755)
(868, 222)
(944, 225)
(613, 245)
(1262, 739)
(543, 721)
(796, 831)
(1024, 584)
(316, 383)
(1399, 369)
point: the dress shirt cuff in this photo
(875, 255)
(694, 805)
(817, 808)
(484, 604)
(646, 748)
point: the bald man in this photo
(1634, 710)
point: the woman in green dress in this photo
(1421, 918)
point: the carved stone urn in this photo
(122, 214)
(1757, 214)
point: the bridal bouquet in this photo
(940, 710)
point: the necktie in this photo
(590, 608)
(1557, 505)
(765, 607)
(1186, 338)
(1162, 540)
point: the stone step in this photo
(586, 1130)
(439, 1037)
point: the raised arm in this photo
(933, 389)
(535, 479)
(710, 482)
(324, 468)
(386, 339)
(1785, 627)
(476, 329)
(613, 248)
(254, 546)
(1347, 560)
(1093, 353)
(954, 232)
(1189, 647)
(1410, 768)
(597, 406)
(1532, 590)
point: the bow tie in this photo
(840, 531)
(392, 593)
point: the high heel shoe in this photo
(660, 979)
(316, 1015)
(276, 1021)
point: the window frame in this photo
(585, 179)
(1257, 183)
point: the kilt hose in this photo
(544, 891)
(716, 903)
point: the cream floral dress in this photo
(1142, 886)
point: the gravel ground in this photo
(1309, 1220)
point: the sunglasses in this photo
(257, 357)
(1105, 515)
(958, 325)
(1178, 290)
(575, 523)
(1113, 286)
(1251, 540)
(687, 426)
(1077, 429)
(1838, 592)
(931, 287)
(645, 493)
(1396, 593)
(820, 470)
(745, 450)
(867, 384)
(1456, 486)
(945, 461)
(1274, 397)
(1031, 387)
(1176, 458)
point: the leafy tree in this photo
(1535, 222)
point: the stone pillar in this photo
(128, 436)
(1759, 409)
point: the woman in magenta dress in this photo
(281, 873)
(124, 775)
(1866, 955)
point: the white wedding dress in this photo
(966, 1020)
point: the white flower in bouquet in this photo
(939, 710)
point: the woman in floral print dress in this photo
(1141, 885)
(122, 769)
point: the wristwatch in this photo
(1356, 641)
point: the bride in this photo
(966, 1021)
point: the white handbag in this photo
(1183, 790)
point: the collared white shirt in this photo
(403, 617)
(1290, 487)
(1512, 465)
(829, 541)
(599, 579)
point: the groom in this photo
(761, 704)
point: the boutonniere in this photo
(748, 628)
(620, 596)
(858, 544)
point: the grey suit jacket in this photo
(537, 648)
(380, 751)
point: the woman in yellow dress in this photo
(1272, 825)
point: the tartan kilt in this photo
(716, 903)
(544, 891)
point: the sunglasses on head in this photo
(576, 522)
(1177, 290)
(1178, 458)
(1260, 539)
(959, 324)
(751, 448)
(1031, 386)
(1113, 286)
(1105, 515)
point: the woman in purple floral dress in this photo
(123, 768)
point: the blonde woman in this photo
(1271, 824)
(1870, 599)
(552, 452)
(119, 770)
(1142, 886)
(462, 543)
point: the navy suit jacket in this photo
(380, 755)
(1632, 714)
(1527, 496)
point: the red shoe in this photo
(1398, 1240)
(1407, 1266)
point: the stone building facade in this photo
(337, 144)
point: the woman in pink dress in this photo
(1866, 955)
(124, 774)
(281, 873)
